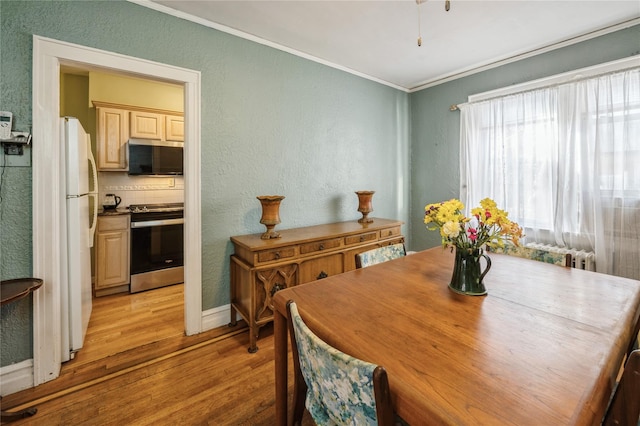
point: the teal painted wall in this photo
(272, 123)
(436, 131)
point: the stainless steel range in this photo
(157, 245)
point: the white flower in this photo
(451, 229)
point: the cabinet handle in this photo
(277, 287)
(277, 255)
(361, 238)
(321, 247)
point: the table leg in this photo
(281, 359)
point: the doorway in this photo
(48, 57)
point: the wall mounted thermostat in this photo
(6, 120)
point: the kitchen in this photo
(138, 243)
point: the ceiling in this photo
(378, 39)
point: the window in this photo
(563, 161)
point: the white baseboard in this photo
(19, 376)
(16, 377)
(217, 317)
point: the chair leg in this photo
(299, 396)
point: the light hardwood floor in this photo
(138, 368)
(125, 321)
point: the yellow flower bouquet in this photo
(488, 225)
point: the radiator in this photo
(580, 259)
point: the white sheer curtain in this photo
(564, 161)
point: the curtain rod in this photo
(577, 78)
(456, 107)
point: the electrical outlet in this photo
(13, 149)
(14, 158)
(16, 154)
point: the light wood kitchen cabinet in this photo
(149, 125)
(174, 128)
(146, 125)
(112, 254)
(111, 139)
(116, 124)
(259, 268)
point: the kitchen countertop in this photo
(116, 212)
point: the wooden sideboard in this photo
(259, 268)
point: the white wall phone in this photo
(6, 121)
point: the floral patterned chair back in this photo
(336, 388)
(559, 259)
(379, 255)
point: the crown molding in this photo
(444, 78)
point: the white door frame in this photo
(48, 186)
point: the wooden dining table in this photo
(543, 347)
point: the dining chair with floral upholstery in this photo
(336, 388)
(380, 254)
(560, 259)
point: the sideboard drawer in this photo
(390, 232)
(362, 238)
(320, 245)
(281, 253)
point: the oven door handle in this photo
(161, 222)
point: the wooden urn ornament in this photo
(270, 214)
(364, 205)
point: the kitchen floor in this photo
(122, 322)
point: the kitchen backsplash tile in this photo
(141, 189)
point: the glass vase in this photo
(467, 272)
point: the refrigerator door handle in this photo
(94, 220)
(93, 191)
(94, 169)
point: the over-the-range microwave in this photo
(153, 157)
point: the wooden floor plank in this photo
(220, 383)
(170, 379)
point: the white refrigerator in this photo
(80, 224)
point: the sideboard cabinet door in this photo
(321, 267)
